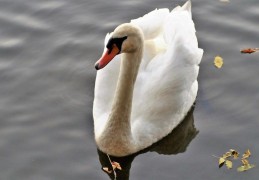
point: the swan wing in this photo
(166, 86)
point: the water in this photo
(48, 50)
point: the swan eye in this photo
(115, 41)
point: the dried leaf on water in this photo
(106, 169)
(229, 156)
(221, 162)
(234, 153)
(218, 61)
(244, 162)
(247, 154)
(249, 50)
(245, 167)
(116, 165)
(229, 164)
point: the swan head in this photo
(126, 38)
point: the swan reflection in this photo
(176, 142)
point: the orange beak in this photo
(107, 57)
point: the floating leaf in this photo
(247, 154)
(245, 167)
(107, 170)
(221, 162)
(227, 155)
(116, 165)
(249, 50)
(229, 164)
(244, 162)
(218, 61)
(234, 153)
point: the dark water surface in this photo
(47, 55)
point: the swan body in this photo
(150, 82)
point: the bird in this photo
(146, 80)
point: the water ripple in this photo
(51, 5)
(23, 20)
(11, 43)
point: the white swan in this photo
(145, 92)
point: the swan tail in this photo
(180, 36)
(188, 7)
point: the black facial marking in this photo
(117, 41)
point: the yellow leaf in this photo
(247, 154)
(227, 154)
(244, 162)
(228, 164)
(234, 153)
(218, 61)
(221, 162)
(245, 167)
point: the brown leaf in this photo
(234, 153)
(244, 162)
(247, 154)
(116, 165)
(248, 50)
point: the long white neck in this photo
(117, 137)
